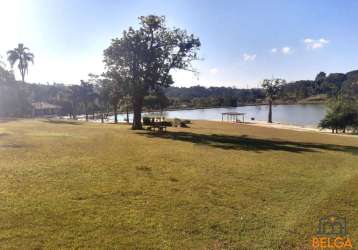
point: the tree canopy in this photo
(22, 56)
(273, 88)
(143, 58)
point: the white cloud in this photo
(308, 40)
(324, 41)
(214, 71)
(248, 57)
(286, 50)
(315, 43)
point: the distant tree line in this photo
(318, 90)
(99, 95)
(201, 97)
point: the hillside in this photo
(302, 91)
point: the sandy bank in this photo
(294, 127)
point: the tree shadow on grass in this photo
(12, 145)
(244, 142)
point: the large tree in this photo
(102, 88)
(144, 58)
(22, 56)
(272, 88)
(117, 89)
(87, 96)
(14, 98)
(6, 76)
(75, 99)
(156, 101)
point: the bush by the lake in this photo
(181, 123)
(176, 122)
(342, 115)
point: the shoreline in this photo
(296, 128)
(285, 126)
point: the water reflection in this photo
(297, 114)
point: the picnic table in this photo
(156, 123)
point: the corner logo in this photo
(332, 234)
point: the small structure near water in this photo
(233, 117)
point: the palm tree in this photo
(272, 88)
(23, 56)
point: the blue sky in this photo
(243, 42)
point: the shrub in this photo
(330, 122)
(342, 114)
(182, 123)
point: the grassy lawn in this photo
(76, 185)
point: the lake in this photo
(297, 114)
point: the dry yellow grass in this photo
(79, 186)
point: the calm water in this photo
(297, 114)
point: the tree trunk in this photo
(270, 112)
(127, 114)
(102, 117)
(86, 112)
(22, 72)
(115, 114)
(137, 113)
(74, 115)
